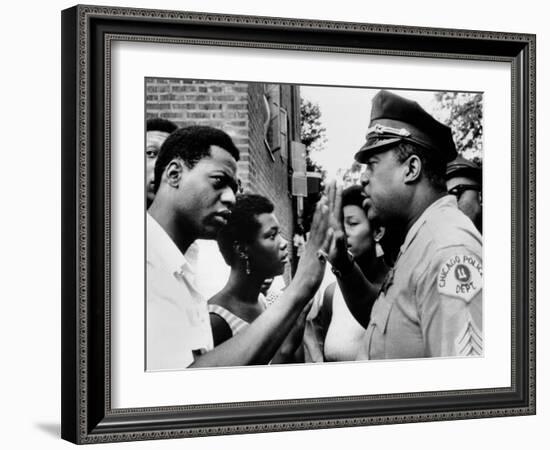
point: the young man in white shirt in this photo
(195, 186)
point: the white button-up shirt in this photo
(178, 325)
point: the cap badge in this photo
(381, 129)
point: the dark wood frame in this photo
(87, 32)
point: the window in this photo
(276, 125)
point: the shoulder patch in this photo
(460, 276)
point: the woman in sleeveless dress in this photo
(332, 333)
(252, 245)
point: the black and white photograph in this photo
(277, 224)
(304, 224)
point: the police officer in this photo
(430, 303)
(464, 182)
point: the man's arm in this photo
(258, 342)
(449, 296)
(359, 293)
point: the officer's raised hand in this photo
(357, 291)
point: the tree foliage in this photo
(463, 113)
(313, 133)
(353, 175)
(313, 136)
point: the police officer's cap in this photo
(462, 167)
(396, 119)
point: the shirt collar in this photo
(161, 245)
(443, 202)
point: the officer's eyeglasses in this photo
(459, 189)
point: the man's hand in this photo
(311, 267)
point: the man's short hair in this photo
(160, 124)
(433, 165)
(191, 144)
(242, 226)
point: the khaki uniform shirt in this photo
(430, 304)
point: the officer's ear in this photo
(174, 172)
(413, 169)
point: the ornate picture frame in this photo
(88, 33)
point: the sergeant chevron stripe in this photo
(469, 341)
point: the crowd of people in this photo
(404, 249)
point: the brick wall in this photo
(238, 109)
(186, 102)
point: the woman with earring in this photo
(332, 333)
(252, 245)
